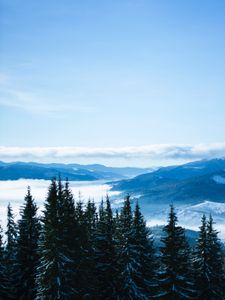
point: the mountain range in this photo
(74, 172)
(190, 183)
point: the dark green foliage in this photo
(200, 261)
(209, 264)
(78, 253)
(145, 256)
(87, 260)
(136, 255)
(49, 271)
(3, 289)
(70, 248)
(29, 230)
(216, 262)
(125, 252)
(175, 276)
(11, 263)
(106, 271)
(55, 272)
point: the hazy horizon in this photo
(142, 156)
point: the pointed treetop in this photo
(172, 216)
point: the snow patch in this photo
(209, 207)
(219, 179)
(191, 167)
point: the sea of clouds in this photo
(154, 151)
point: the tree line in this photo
(76, 251)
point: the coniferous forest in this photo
(77, 251)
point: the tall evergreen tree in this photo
(54, 277)
(49, 271)
(216, 262)
(105, 254)
(82, 228)
(28, 238)
(11, 263)
(3, 289)
(200, 261)
(82, 254)
(132, 286)
(87, 264)
(71, 251)
(209, 263)
(175, 276)
(145, 264)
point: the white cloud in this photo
(156, 151)
(13, 192)
(38, 104)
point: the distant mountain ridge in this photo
(189, 183)
(74, 172)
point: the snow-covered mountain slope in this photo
(191, 215)
(187, 184)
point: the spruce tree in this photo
(105, 254)
(3, 289)
(29, 230)
(49, 273)
(71, 251)
(87, 264)
(82, 238)
(82, 228)
(132, 286)
(200, 261)
(209, 263)
(175, 274)
(145, 264)
(54, 277)
(11, 262)
(216, 262)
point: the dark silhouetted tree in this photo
(28, 258)
(175, 276)
(105, 254)
(11, 262)
(208, 263)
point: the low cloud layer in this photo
(73, 154)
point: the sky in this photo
(120, 82)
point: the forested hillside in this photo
(78, 251)
(192, 183)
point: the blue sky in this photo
(112, 74)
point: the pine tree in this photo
(29, 230)
(175, 276)
(105, 254)
(145, 256)
(87, 263)
(48, 278)
(11, 263)
(132, 286)
(200, 261)
(209, 263)
(216, 262)
(3, 289)
(82, 228)
(70, 245)
(53, 276)
(82, 238)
